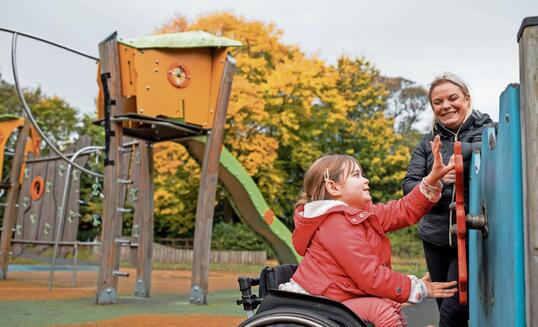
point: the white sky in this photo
(415, 39)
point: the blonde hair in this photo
(448, 77)
(335, 167)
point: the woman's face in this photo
(450, 105)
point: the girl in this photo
(341, 235)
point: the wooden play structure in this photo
(159, 88)
(151, 89)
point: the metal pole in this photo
(31, 118)
(63, 210)
(75, 257)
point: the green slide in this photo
(248, 201)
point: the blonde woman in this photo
(454, 120)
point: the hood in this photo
(309, 217)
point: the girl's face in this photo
(450, 105)
(355, 190)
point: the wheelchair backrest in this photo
(271, 277)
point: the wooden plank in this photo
(8, 222)
(132, 199)
(106, 281)
(144, 215)
(33, 214)
(206, 192)
(71, 218)
(48, 212)
(528, 75)
(24, 204)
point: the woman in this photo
(454, 120)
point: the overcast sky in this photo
(415, 39)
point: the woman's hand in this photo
(439, 169)
(450, 177)
(440, 290)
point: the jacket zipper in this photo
(453, 186)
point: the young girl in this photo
(341, 235)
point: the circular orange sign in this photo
(178, 75)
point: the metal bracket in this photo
(107, 296)
(197, 295)
(141, 290)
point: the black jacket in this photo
(434, 227)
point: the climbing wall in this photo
(496, 262)
(40, 199)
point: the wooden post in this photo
(107, 280)
(207, 190)
(11, 200)
(144, 215)
(528, 75)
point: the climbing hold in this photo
(37, 188)
(268, 216)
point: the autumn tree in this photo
(288, 108)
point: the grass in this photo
(409, 266)
(75, 311)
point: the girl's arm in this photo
(409, 209)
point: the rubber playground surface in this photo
(26, 301)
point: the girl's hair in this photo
(335, 167)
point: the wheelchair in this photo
(281, 308)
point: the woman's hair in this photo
(452, 78)
(335, 167)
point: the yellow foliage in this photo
(286, 109)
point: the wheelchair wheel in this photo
(288, 318)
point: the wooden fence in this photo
(164, 254)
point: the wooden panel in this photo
(106, 281)
(72, 214)
(528, 74)
(24, 204)
(155, 96)
(206, 193)
(144, 215)
(48, 211)
(32, 215)
(8, 221)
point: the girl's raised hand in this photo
(439, 169)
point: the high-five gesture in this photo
(439, 169)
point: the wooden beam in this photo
(206, 193)
(11, 200)
(528, 75)
(107, 281)
(144, 216)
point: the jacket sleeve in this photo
(354, 254)
(417, 167)
(404, 212)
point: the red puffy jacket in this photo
(346, 252)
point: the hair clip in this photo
(326, 175)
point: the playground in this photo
(27, 302)
(80, 218)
